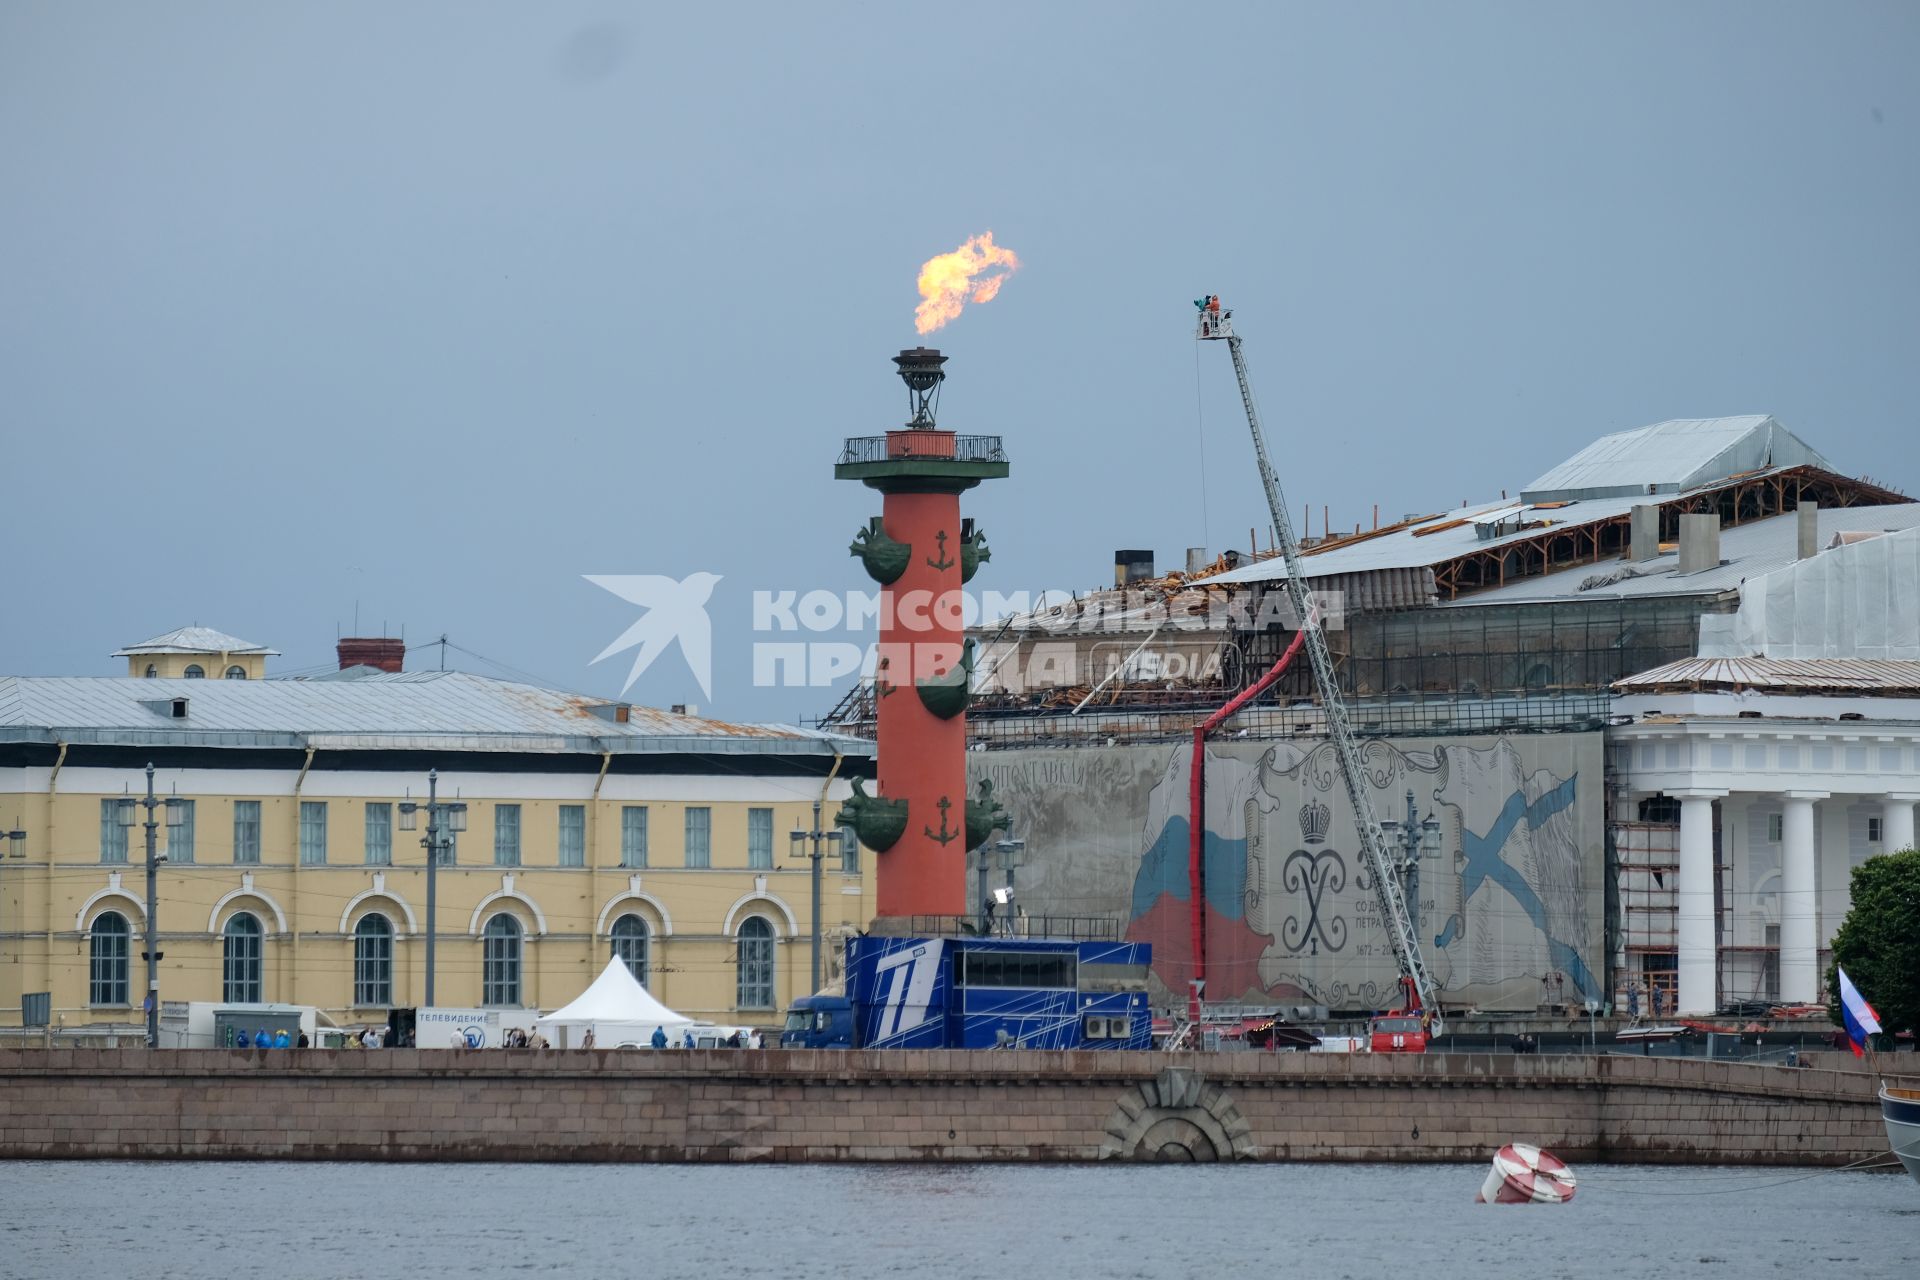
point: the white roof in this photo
(195, 640)
(1778, 675)
(1674, 456)
(616, 996)
(395, 711)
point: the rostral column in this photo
(921, 552)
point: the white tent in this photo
(616, 1008)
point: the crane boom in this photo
(1216, 324)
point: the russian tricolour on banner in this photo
(1859, 1015)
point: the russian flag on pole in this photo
(1859, 1015)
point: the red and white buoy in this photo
(1524, 1174)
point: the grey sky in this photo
(436, 308)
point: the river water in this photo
(94, 1218)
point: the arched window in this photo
(373, 962)
(195, 672)
(236, 673)
(630, 944)
(111, 936)
(153, 672)
(240, 955)
(754, 988)
(500, 963)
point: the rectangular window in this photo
(1873, 831)
(379, 833)
(573, 835)
(1774, 825)
(313, 833)
(506, 835)
(180, 838)
(699, 836)
(113, 836)
(246, 831)
(753, 980)
(1054, 970)
(760, 839)
(633, 835)
(110, 947)
(1770, 964)
(373, 962)
(242, 970)
(500, 964)
(849, 851)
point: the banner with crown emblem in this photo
(1511, 901)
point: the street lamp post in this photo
(1417, 836)
(176, 816)
(814, 844)
(443, 821)
(1009, 850)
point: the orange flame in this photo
(947, 282)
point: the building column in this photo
(1896, 822)
(1799, 915)
(1698, 959)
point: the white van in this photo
(1340, 1044)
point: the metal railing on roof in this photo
(965, 449)
(1026, 927)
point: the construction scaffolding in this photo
(1648, 865)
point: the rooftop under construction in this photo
(1508, 614)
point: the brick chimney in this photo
(388, 653)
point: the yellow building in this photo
(291, 877)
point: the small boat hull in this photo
(1900, 1108)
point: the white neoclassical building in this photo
(1791, 750)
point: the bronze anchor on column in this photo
(943, 563)
(945, 835)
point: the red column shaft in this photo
(922, 757)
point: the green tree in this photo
(1879, 942)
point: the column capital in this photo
(1807, 795)
(1902, 797)
(1695, 793)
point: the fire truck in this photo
(1403, 1030)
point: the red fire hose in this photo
(1197, 818)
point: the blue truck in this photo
(981, 993)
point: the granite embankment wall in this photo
(796, 1106)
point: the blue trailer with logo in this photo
(981, 993)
